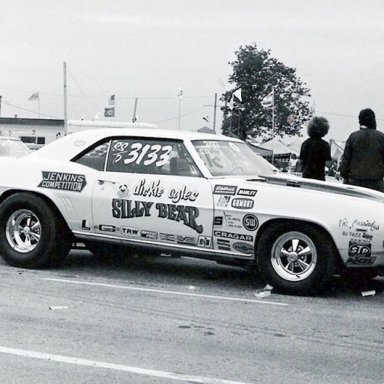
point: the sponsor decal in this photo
(167, 237)
(186, 240)
(183, 193)
(358, 235)
(63, 181)
(243, 248)
(359, 225)
(233, 236)
(107, 228)
(224, 245)
(242, 203)
(204, 241)
(126, 209)
(149, 235)
(224, 190)
(232, 221)
(218, 220)
(85, 225)
(153, 189)
(247, 192)
(359, 253)
(123, 190)
(128, 231)
(250, 222)
(223, 201)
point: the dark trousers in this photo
(376, 184)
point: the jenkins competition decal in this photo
(127, 209)
(63, 181)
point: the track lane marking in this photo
(116, 367)
(238, 299)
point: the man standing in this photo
(362, 163)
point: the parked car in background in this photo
(185, 193)
(12, 148)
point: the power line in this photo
(29, 110)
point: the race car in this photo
(117, 190)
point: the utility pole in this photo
(0, 104)
(134, 112)
(180, 95)
(65, 98)
(214, 112)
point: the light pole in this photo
(180, 95)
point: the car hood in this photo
(291, 181)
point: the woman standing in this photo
(315, 152)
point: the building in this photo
(34, 132)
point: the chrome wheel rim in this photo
(23, 231)
(294, 256)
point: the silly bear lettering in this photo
(182, 213)
(125, 209)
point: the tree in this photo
(255, 75)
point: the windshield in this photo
(13, 148)
(229, 158)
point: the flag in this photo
(34, 96)
(180, 93)
(134, 119)
(237, 94)
(268, 100)
(109, 112)
(206, 118)
(112, 100)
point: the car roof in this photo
(69, 146)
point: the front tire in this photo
(296, 258)
(30, 233)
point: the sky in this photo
(148, 49)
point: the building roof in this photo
(30, 121)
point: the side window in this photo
(94, 157)
(138, 155)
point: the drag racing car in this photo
(185, 193)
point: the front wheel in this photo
(296, 258)
(30, 232)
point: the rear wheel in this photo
(296, 258)
(31, 235)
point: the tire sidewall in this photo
(321, 272)
(40, 255)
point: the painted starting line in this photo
(166, 292)
(116, 367)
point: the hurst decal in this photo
(63, 181)
(233, 236)
(107, 228)
(224, 245)
(224, 190)
(127, 209)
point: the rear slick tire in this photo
(30, 233)
(296, 258)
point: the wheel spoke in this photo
(295, 244)
(305, 252)
(284, 252)
(302, 264)
(290, 263)
(35, 236)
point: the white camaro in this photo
(187, 194)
